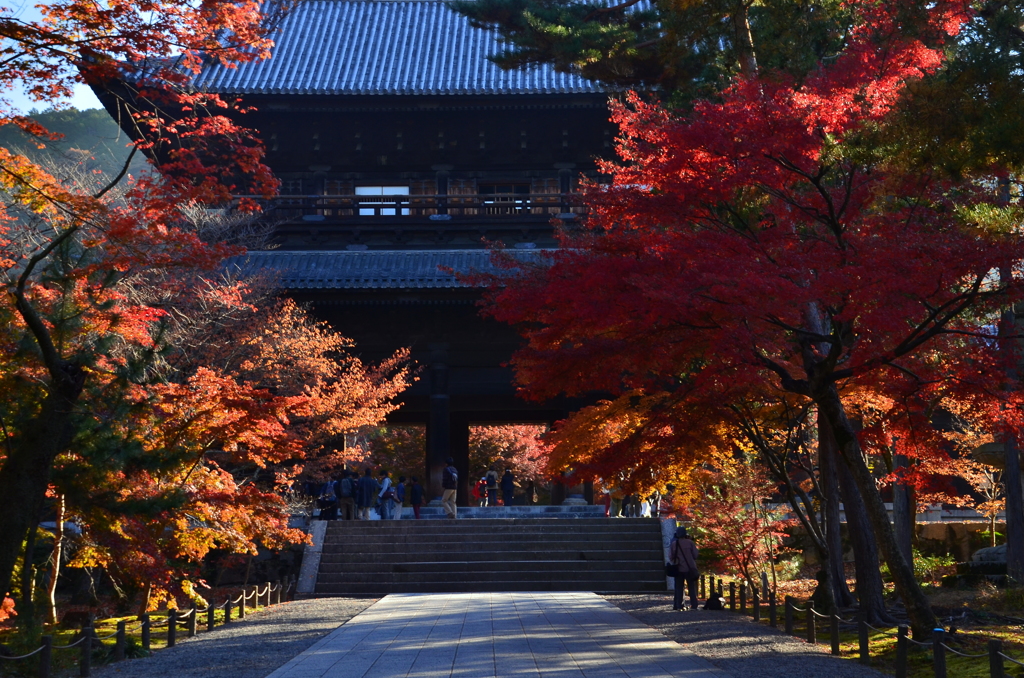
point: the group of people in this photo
(632, 505)
(351, 497)
(485, 491)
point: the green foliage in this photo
(683, 48)
(967, 116)
(926, 568)
(91, 140)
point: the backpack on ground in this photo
(714, 603)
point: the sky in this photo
(83, 98)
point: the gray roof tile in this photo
(332, 47)
(388, 269)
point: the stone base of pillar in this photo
(575, 500)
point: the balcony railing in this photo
(434, 207)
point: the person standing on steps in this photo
(508, 486)
(346, 495)
(386, 495)
(396, 513)
(683, 552)
(416, 497)
(450, 484)
(366, 494)
(492, 486)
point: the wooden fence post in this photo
(172, 627)
(193, 620)
(834, 633)
(812, 632)
(702, 587)
(788, 614)
(732, 596)
(144, 618)
(939, 653)
(268, 593)
(995, 661)
(211, 617)
(241, 606)
(277, 592)
(902, 645)
(227, 611)
(863, 640)
(773, 617)
(743, 597)
(85, 659)
(45, 656)
(119, 642)
(721, 591)
(756, 603)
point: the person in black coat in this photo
(508, 486)
(415, 496)
(366, 495)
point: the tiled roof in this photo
(389, 269)
(383, 47)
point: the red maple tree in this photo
(763, 243)
(65, 247)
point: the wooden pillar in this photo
(557, 493)
(438, 424)
(443, 172)
(459, 427)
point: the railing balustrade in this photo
(439, 207)
(271, 593)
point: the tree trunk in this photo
(25, 475)
(902, 518)
(27, 607)
(922, 619)
(58, 545)
(1014, 513)
(147, 591)
(870, 590)
(744, 40)
(827, 461)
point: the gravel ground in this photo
(737, 645)
(245, 649)
(267, 639)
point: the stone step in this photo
(624, 524)
(493, 577)
(449, 586)
(547, 512)
(366, 558)
(491, 554)
(346, 571)
(486, 540)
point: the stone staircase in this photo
(491, 554)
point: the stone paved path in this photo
(482, 635)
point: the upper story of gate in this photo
(390, 129)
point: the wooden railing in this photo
(87, 641)
(937, 645)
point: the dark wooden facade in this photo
(453, 171)
(392, 134)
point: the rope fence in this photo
(743, 592)
(270, 594)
